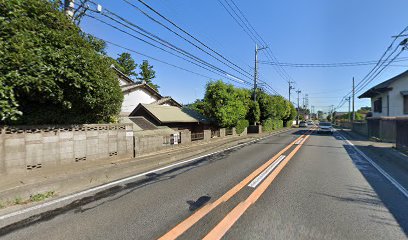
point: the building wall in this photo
(132, 99)
(396, 100)
(122, 82)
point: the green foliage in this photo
(271, 124)
(254, 113)
(98, 44)
(126, 64)
(49, 71)
(241, 125)
(345, 117)
(41, 196)
(224, 103)
(147, 74)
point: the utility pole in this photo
(354, 92)
(256, 68)
(332, 113)
(298, 109)
(69, 6)
(290, 88)
(349, 102)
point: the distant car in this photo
(310, 123)
(325, 127)
(302, 124)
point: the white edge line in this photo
(266, 172)
(94, 189)
(379, 169)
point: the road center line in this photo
(199, 214)
(299, 141)
(228, 221)
(266, 172)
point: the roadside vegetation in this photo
(230, 106)
(53, 73)
(33, 198)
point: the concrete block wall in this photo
(222, 132)
(26, 148)
(207, 135)
(185, 137)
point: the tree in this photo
(147, 74)
(254, 113)
(224, 103)
(50, 72)
(126, 64)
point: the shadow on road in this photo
(382, 192)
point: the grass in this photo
(33, 198)
(41, 196)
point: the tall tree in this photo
(147, 74)
(50, 73)
(126, 64)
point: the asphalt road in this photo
(321, 189)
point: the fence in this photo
(197, 136)
(402, 133)
(229, 132)
(25, 148)
(382, 128)
(215, 133)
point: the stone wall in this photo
(26, 148)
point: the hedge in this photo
(271, 124)
(241, 125)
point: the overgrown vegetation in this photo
(228, 105)
(33, 198)
(241, 125)
(271, 124)
(50, 72)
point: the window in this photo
(405, 104)
(378, 105)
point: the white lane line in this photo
(120, 181)
(266, 172)
(298, 141)
(379, 169)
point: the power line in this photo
(341, 64)
(241, 70)
(153, 45)
(255, 36)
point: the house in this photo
(139, 92)
(173, 117)
(389, 98)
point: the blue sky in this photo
(312, 31)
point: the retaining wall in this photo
(26, 148)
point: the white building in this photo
(389, 98)
(135, 93)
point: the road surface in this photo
(321, 189)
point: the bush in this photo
(271, 124)
(241, 125)
(49, 72)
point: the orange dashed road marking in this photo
(199, 214)
(222, 227)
